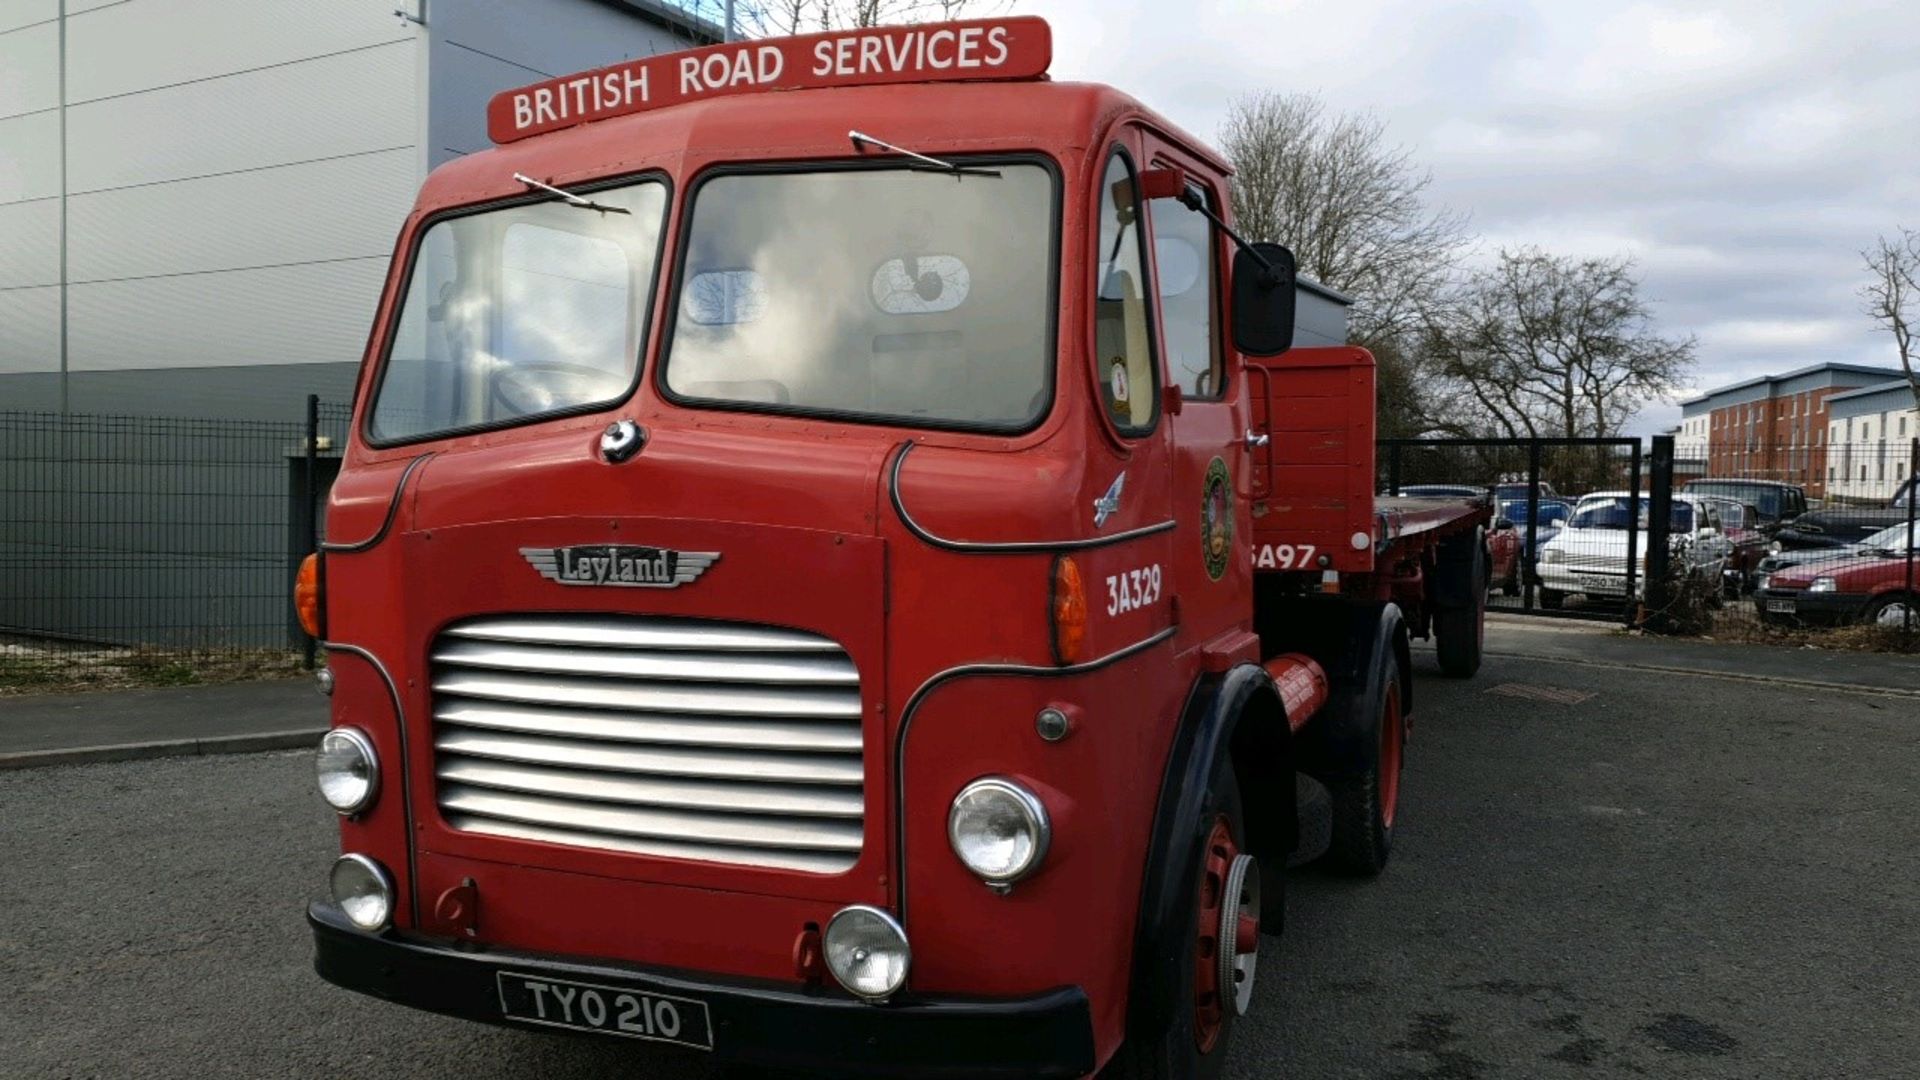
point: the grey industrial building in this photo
(198, 198)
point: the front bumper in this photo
(756, 1024)
(1565, 578)
(1811, 608)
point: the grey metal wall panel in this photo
(302, 112)
(29, 330)
(17, 13)
(307, 314)
(123, 49)
(318, 211)
(30, 157)
(481, 47)
(30, 243)
(30, 70)
(278, 392)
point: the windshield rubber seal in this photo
(803, 167)
(412, 254)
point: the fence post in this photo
(307, 648)
(1913, 510)
(1393, 469)
(1530, 555)
(1659, 529)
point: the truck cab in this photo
(791, 587)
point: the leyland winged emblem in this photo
(621, 565)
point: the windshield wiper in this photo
(922, 161)
(570, 197)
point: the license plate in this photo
(1784, 607)
(610, 1010)
(1603, 584)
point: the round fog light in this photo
(363, 890)
(347, 769)
(867, 952)
(999, 829)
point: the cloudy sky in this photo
(1741, 152)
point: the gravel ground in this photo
(1674, 876)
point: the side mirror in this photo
(1263, 300)
(1163, 183)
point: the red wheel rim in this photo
(1393, 740)
(1209, 1004)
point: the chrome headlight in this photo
(1823, 584)
(364, 891)
(1760, 583)
(999, 829)
(867, 952)
(1552, 554)
(348, 770)
(1776, 547)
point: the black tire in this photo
(1458, 639)
(1365, 806)
(1552, 599)
(1174, 1052)
(1879, 606)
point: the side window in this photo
(1186, 267)
(1122, 327)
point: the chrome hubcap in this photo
(1240, 933)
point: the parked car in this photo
(1776, 502)
(1589, 556)
(1841, 526)
(1744, 526)
(1781, 560)
(1512, 556)
(1869, 586)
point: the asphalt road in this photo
(1676, 876)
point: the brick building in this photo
(1774, 427)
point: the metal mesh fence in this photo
(153, 550)
(1782, 546)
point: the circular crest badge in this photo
(1216, 519)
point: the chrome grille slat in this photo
(647, 696)
(639, 632)
(791, 735)
(677, 738)
(721, 796)
(843, 770)
(721, 830)
(805, 669)
(808, 861)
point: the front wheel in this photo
(1552, 599)
(1893, 611)
(1223, 926)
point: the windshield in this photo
(1764, 497)
(1551, 513)
(891, 293)
(1611, 512)
(521, 312)
(1890, 539)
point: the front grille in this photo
(723, 742)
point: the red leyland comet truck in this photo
(838, 565)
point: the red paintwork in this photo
(1302, 684)
(1503, 557)
(801, 509)
(1862, 575)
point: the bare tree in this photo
(1892, 297)
(1351, 206)
(1542, 345)
(773, 18)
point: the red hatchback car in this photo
(1872, 585)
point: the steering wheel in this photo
(544, 386)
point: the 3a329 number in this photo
(1133, 589)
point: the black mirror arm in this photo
(1194, 199)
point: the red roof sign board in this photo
(981, 49)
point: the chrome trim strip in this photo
(406, 774)
(1018, 547)
(934, 682)
(393, 511)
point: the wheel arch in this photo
(1239, 714)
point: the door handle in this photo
(1257, 439)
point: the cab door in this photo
(1210, 455)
